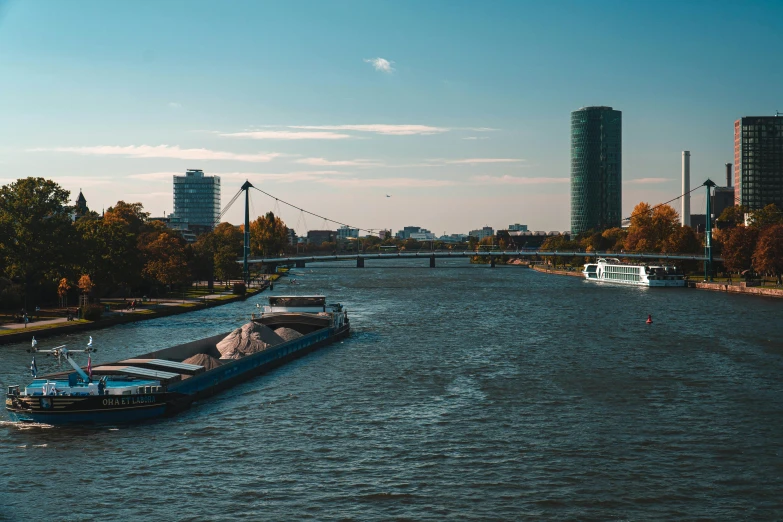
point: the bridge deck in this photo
(451, 254)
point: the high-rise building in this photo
(596, 169)
(196, 199)
(758, 161)
(518, 227)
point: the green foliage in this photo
(239, 289)
(37, 239)
(766, 217)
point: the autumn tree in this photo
(268, 235)
(131, 215)
(62, 291)
(651, 229)
(768, 256)
(85, 284)
(165, 256)
(217, 252)
(739, 244)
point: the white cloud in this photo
(163, 151)
(175, 105)
(379, 128)
(322, 162)
(517, 180)
(156, 176)
(647, 181)
(381, 64)
(476, 161)
(387, 182)
(476, 138)
(287, 135)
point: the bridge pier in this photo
(359, 262)
(492, 261)
(300, 264)
(432, 261)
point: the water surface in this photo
(464, 392)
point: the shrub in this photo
(239, 289)
(91, 312)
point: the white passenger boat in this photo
(611, 270)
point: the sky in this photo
(457, 110)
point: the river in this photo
(464, 392)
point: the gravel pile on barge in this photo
(202, 359)
(249, 339)
(287, 334)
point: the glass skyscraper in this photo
(596, 169)
(197, 198)
(758, 161)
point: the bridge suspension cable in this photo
(665, 202)
(278, 200)
(226, 208)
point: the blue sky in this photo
(458, 110)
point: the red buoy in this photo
(649, 319)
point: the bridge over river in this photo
(360, 257)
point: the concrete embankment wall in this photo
(737, 289)
(25, 334)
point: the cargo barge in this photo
(164, 382)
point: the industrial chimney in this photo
(728, 175)
(685, 214)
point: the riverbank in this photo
(740, 288)
(547, 270)
(715, 287)
(141, 314)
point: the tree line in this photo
(745, 248)
(51, 249)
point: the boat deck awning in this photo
(163, 364)
(135, 371)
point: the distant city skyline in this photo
(463, 118)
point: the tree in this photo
(640, 231)
(62, 291)
(268, 235)
(731, 217)
(665, 222)
(165, 256)
(131, 215)
(37, 239)
(682, 239)
(614, 238)
(110, 252)
(739, 244)
(765, 217)
(768, 256)
(225, 244)
(85, 284)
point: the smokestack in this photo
(728, 175)
(685, 214)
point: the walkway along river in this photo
(465, 392)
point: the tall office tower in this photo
(685, 213)
(197, 199)
(596, 169)
(758, 161)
